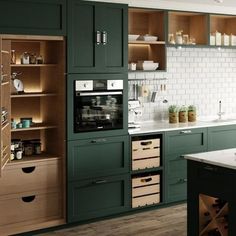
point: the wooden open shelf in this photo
(212, 218)
(35, 127)
(151, 22)
(28, 95)
(33, 65)
(195, 25)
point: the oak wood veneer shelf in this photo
(24, 95)
(33, 65)
(35, 127)
(146, 42)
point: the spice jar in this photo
(179, 37)
(39, 59)
(33, 58)
(28, 148)
(37, 146)
(25, 58)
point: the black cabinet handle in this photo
(28, 170)
(146, 143)
(28, 198)
(101, 140)
(98, 37)
(102, 181)
(146, 180)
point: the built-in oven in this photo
(98, 105)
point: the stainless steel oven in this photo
(98, 105)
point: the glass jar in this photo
(13, 57)
(37, 146)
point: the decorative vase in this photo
(183, 116)
(192, 116)
(173, 117)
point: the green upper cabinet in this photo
(221, 137)
(97, 37)
(40, 17)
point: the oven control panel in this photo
(84, 85)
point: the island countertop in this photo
(223, 158)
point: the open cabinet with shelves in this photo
(187, 28)
(149, 45)
(213, 216)
(35, 94)
(222, 30)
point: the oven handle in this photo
(99, 93)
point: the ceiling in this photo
(226, 3)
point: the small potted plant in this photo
(191, 113)
(183, 114)
(173, 114)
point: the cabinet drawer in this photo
(18, 208)
(98, 157)
(186, 141)
(146, 190)
(144, 181)
(146, 200)
(145, 163)
(148, 143)
(145, 153)
(27, 177)
(41, 175)
(176, 166)
(98, 197)
(176, 189)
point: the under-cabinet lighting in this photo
(139, 45)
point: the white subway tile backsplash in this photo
(199, 76)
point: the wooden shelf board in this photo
(25, 95)
(5, 124)
(39, 126)
(33, 158)
(5, 52)
(146, 42)
(33, 65)
(5, 83)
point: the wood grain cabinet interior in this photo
(34, 184)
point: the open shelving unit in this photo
(213, 216)
(151, 22)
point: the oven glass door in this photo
(98, 111)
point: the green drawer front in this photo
(98, 197)
(98, 157)
(33, 17)
(222, 137)
(176, 166)
(176, 189)
(186, 141)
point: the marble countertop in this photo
(224, 158)
(161, 126)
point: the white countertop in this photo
(160, 126)
(224, 158)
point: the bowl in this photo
(147, 66)
(133, 37)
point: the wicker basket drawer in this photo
(149, 143)
(146, 200)
(146, 163)
(18, 208)
(144, 181)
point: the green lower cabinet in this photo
(98, 157)
(176, 165)
(221, 137)
(176, 189)
(98, 197)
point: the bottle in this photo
(13, 57)
(218, 205)
(207, 218)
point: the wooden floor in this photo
(169, 221)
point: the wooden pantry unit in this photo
(33, 185)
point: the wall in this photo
(199, 76)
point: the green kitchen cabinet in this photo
(97, 37)
(177, 144)
(221, 137)
(71, 134)
(98, 197)
(98, 157)
(41, 17)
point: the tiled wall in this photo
(199, 76)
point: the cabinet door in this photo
(97, 37)
(186, 141)
(221, 137)
(113, 24)
(98, 157)
(44, 17)
(98, 197)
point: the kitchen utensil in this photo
(153, 97)
(145, 91)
